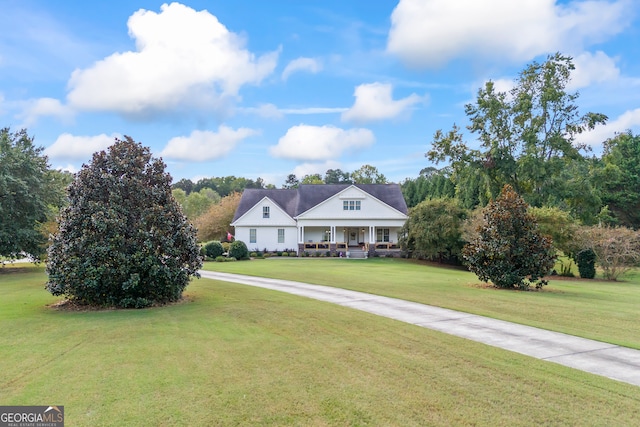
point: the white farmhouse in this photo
(340, 218)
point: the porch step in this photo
(356, 253)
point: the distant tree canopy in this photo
(223, 186)
(123, 239)
(197, 202)
(291, 182)
(366, 174)
(30, 195)
(315, 178)
(337, 176)
(185, 185)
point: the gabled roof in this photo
(306, 196)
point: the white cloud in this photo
(374, 102)
(45, 107)
(317, 143)
(430, 33)
(183, 58)
(69, 146)
(301, 64)
(268, 111)
(314, 110)
(201, 146)
(271, 111)
(628, 120)
(313, 168)
(503, 85)
(593, 68)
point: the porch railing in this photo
(386, 246)
(317, 245)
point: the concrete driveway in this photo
(612, 361)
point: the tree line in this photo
(223, 186)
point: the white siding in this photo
(267, 237)
(277, 217)
(330, 214)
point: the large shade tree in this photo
(527, 136)
(27, 194)
(123, 240)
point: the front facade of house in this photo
(332, 217)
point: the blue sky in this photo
(265, 89)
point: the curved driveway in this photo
(609, 360)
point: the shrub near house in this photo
(213, 249)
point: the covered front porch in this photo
(370, 239)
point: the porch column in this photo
(301, 234)
(372, 241)
(332, 240)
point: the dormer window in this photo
(351, 205)
(265, 212)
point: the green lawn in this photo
(237, 355)
(604, 311)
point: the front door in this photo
(353, 237)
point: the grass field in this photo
(237, 355)
(604, 311)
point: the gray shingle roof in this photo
(294, 202)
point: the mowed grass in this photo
(237, 355)
(599, 310)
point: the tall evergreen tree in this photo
(123, 240)
(509, 249)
